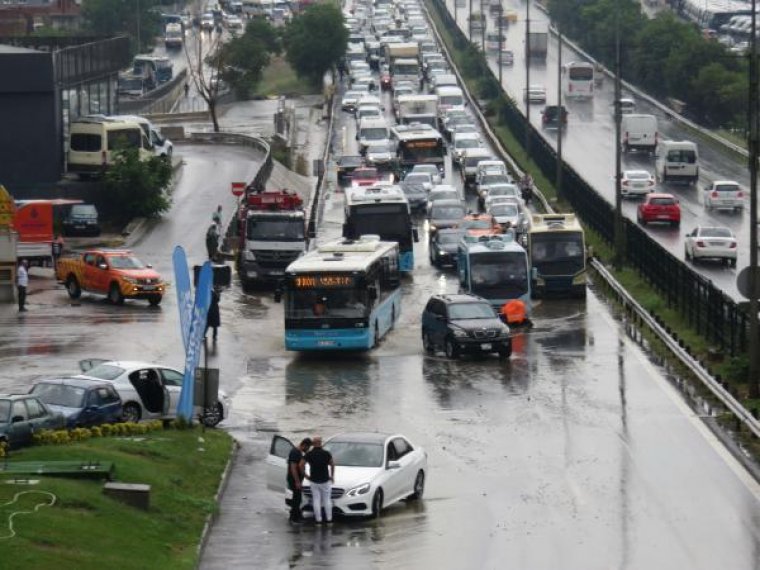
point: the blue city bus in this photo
(344, 295)
(382, 211)
(496, 268)
(557, 251)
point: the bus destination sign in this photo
(324, 281)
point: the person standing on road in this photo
(295, 478)
(216, 217)
(212, 241)
(213, 319)
(22, 282)
(321, 475)
(56, 250)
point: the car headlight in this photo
(459, 333)
(360, 490)
(249, 255)
(433, 228)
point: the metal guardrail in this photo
(159, 100)
(630, 304)
(316, 202)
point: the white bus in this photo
(578, 80)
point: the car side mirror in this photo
(17, 419)
(393, 465)
(102, 266)
(149, 266)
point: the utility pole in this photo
(527, 78)
(482, 29)
(501, 36)
(754, 149)
(619, 238)
(138, 26)
(560, 126)
(469, 24)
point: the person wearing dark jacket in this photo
(213, 320)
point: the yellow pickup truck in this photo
(116, 273)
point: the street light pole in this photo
(527, 78)
(138, 26)
(469, 24)
(754, 150)
(619, 238)
(501, 36)
(482, 28)
(558, 179)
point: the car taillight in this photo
(700, 243)
(732, 245)
(714, 194)
(740, 194)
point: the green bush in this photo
(65, 436)
(138, 188)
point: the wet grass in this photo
(278, 78)
(85, 529)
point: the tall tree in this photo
(109, 17)
(315, 40)
(247, 56)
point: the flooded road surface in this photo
(576, 453)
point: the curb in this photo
(211, 517)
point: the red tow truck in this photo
(272, 233)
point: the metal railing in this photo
(316, 202)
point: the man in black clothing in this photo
(295, 477)
(321, 475)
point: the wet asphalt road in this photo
(576, 453)
(589, 143)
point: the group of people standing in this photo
(321, 476)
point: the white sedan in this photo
(636, 183)
(372, 471)
(430, 169)
(711, 243)
(150, 391)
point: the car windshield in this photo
(504, 210)
(5, 410)
(83, 210)
(276, 229)
(356, 454)
(446, 237)
(716, 232)
(105, 372)
(493, 179)
(470, 311)
(662, 202)
(467, 143)
(726, 187)
(419, 178)
(425, 169)
(60, 395)
(447, 213)
(434, 196)
(637, 175)
(125, 262)
(479, 224)
(378, 148)
(374, 133)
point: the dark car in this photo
(82, 402)
(446, 214)
(21, 415)
(463, 323)
(443, 247)
(416, 195)
(82, 219)
(347, 165)
(552, 115)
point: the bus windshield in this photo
(327, 303)
(416, 151)
(558, 253)
(505, 273)
(581, 73)
(283, 229)
(405, 69)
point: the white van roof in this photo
(448, 90)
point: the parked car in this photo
(636, 183)
(372, 471)
(659, 208)
(149, 391)
(443, 246)
(463, 323)
(82, 402)
(724, 194)
(81, 219)
(711, 243)
(21, 415)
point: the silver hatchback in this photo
(724, 194)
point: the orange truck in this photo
(116, 273)
(33, 220)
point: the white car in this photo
(711, 243)
(372, 471)
(724, 194)
(350, 100)
(423, 179)
(636, 183)
(150, 391)
(463, 142)
(535, 94)
(495, 191)
(430, 169)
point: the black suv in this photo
(463, 323)
(552, 115)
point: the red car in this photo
(659, 208)
(386, 82)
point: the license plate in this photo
(326, 343)
(80, 226)
(276, 273)
(663, 217)
(486, 346)
(149, 287)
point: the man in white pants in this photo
(321, 475)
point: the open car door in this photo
(277, 463)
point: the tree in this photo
(315, 40)
(137, 19)
(205, 69)
(247, 56)
(138, 187)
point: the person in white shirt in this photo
(22, 282)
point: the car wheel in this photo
(733, 263)
(377, 503)
(377, 336)
(73, 288)
(419, 486)
(505, 352)
(114, 294)
(427, 343)
(155, 301)
(452, 350)
(640, 220)
(213, 415)
(131, 412)
(686, 253)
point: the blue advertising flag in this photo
(184, 293)
(195, 339)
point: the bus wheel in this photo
(393, 316)
(377, 336)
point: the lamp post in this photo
(501, 36)
(527, 78)
(619, 238)
(469, 24)
(754, 150)
(558, 178)
(138, 26)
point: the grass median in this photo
(85, 529)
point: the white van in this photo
(92, 143)
(372, 131)
(677, 161)
(162, 146)
(449, 98)
(638, 132)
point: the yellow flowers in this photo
(63, 436)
